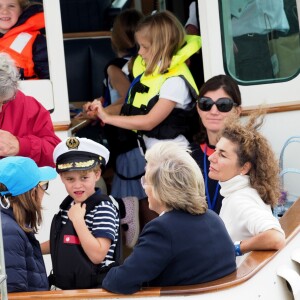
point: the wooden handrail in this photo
(290, 106)
(254, 262)
(273, 108)
(90, 34)
(61, 127)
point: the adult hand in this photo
(9, 144)
(77, 212)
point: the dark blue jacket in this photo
(176, 248)
(24, 262)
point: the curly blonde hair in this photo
(254, 148)
(166, 36)
(175, 177)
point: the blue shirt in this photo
(257, 16)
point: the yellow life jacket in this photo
(144, 92)
(178, 67)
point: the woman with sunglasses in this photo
(219, 98)
(22, 187)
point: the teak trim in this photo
(256, 260)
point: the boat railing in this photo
(254, 262)
(3, 283)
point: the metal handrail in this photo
(292, 139)
(3, 282)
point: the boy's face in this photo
(80, 186)
(10, 10)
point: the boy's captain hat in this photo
(78, 154)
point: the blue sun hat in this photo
(20, 174)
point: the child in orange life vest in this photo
(21, 23)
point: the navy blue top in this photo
(198, 155)
(24, 262)
(176, 248)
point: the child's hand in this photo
(77, 212)
(88, 112)
(96, 107)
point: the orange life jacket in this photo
(18, 43)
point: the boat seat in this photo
(84, 15)
(90, 15)
(85, 59)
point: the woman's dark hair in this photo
(231, 88)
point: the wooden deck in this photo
(252, 264)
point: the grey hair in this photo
(9, 75)
(175, 178)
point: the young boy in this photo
(84, 234)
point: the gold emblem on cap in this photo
(65, 166)
(84, 164)
(72, 143)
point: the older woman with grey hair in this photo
(187, 243)
(26, 128)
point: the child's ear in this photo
(98, 174)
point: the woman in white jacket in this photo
(248, 173)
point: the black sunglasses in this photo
(223, 104)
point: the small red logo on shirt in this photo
(71, 239)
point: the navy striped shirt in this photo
(103, 222)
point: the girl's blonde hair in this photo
(175, 178)
(166, 36)
(27, 209)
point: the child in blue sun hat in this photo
(22, 187)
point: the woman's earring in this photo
(241, 174)
(7, 206)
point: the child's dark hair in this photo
(122, 36)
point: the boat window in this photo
(260, 40)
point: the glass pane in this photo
(260, 39)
